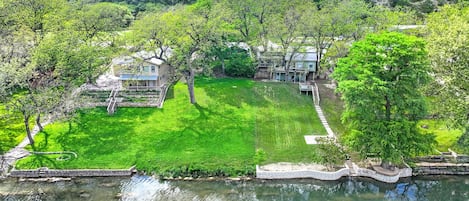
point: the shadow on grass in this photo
(200, 124)
(11, 127)
(40, 160)
(41, 145)
(94, 133)
(170, 93)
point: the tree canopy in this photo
(49, 54)
(380, 82)
(448, 40)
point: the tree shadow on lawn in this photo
(170, 93)
(41, 145)
(11, 127)
(96, 134)
(41, 160)
(200, 123)
(211, 128)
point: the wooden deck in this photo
(307, 87)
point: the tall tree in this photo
(182, 33)
(448, 40)
(380, 82)
(286, 26)
(250, 19)
(51, 60)
(336, 20)
(28, 22)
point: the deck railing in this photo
(112, 105)
(315, 91)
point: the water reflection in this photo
(145, 188)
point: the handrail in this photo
(111, 107)
(163, 96)
(315, 90)
(313, 95)
(111, 94)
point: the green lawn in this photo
(232, 119)
(332, 106)
(446, 137)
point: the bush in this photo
(240, 65)
(463, 142)
(237, 61)
(260, 156)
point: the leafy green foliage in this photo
(447, 39)
(380, 82)
(463, 142)
(240, 65)
(331, 152)
(447, 33)
(233, 61)
(260, 156)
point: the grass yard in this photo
(332, 106)
(219, 135)
(446, 137)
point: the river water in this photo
(145, 188)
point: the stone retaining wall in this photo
(441, 169)
(44, 172)
(353, 171)
(262, 174)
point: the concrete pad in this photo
(311, 139)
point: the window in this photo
(153, 69)
(299, 65)
(146, 69)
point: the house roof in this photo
(241, 45)
(302, 56)
(145, 56)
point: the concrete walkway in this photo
(312, 139)
(323, 119)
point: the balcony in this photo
(141, 76)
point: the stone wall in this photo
(353, 171)
(441, 169)
(462, 159)
(44, 172)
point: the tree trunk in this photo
(223, 66)
(388, 108)
(287, 69)
(38, 121)
(190, 81)
(387, 165)
(28, 130)
(190, 86)
(318, 58)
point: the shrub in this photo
(260, 156)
